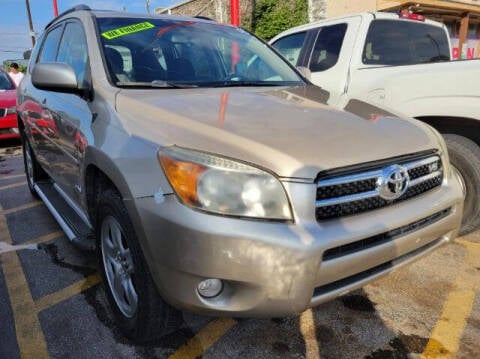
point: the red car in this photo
(8, 114)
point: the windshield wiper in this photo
(156, 84)
(162, 83)
(246, 83)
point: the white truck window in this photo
(327, 47)
(290, 46)
(400, 42)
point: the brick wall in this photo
(215, 9)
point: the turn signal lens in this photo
(183, 177)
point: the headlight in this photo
(444, 152)
(443, 149)
(11, 110)
(220, 185)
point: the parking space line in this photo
(46, 238)
(30, 338)
(68, 292)
(308, 330)
(13, 185)
(11, 177)
(20, 208)
(204, 339)
(445, 338)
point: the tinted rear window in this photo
(398, 42)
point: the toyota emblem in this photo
(393, 183)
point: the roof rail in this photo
(75, 8)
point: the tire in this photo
(465, 157)
(140, 312)
(33, 171)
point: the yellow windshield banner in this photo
(127, 30)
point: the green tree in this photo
(270, 17)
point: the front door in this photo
(71, 112)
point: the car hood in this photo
(288, 130)
(7, 98)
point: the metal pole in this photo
(55, 8)
(147, 5)
(462, 40)
(30, 23)
(235, 20)
(234, 12)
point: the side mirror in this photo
(55, 76)
(305, 71)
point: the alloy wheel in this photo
(118, 264)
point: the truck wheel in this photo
(33, 171)
(138, 309)
(465, 157)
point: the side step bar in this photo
(75, 228)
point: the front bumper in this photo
(277, 269)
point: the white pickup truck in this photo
(399, 63)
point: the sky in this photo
(15, 31)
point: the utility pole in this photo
(32, 33)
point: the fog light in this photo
(210, 288)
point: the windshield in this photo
(182, 53)
(5, 82)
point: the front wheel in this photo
(465, 157)
(139, 311)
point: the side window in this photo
(73, 49)
(5, 83)
(50, 46)
(327, 47)
(34, 54)
(290, 46)
(400, 42)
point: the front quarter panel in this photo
(130, 162)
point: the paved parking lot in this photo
(52, 306)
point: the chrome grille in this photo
(359, 192)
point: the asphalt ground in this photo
(52, 304)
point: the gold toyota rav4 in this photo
(211, 176)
